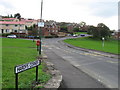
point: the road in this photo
(103, 69)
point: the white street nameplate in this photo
(40, 24)
(23, 67)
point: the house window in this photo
(7, 30)
(2, 30)
(7, 25)
(15, 31)
(16, 25)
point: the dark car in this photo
(82, 35)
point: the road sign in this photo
(23, 67)
(40, 24)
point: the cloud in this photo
(90, 11)
(104, 9)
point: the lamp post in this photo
(40, 27)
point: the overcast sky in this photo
(90, 11)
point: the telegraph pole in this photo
(41, 28)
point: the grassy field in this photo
(80, 33)
(16, 52)
(110, 46)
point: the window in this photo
(2, 30)
(7, 30)
(7, 25)
(16, 25)
(15, 30)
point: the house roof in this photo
(8, 18)
(5, 22)
(50, 23)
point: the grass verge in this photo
(110, 45)
(16, 52)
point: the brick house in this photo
(71, 27)
(117, 35)
(50, 28)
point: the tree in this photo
(103, 30)
(11, 16)
(93, 31)
(18, 16)
(76, 29)
(100, 31)
(63, 29)
(90, 30)
(82, 24)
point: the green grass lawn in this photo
(110, 46)
(80, 33)
(16, 52)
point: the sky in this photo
(90, 11)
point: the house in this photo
(71, 27)
(16, 26)
(29, 22)
(12, 26)
(117, 35)
(50, 28)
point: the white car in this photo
(11, 36)
(74, 35)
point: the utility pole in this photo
(41, 28)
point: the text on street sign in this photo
(23, 67)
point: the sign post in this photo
(103, 41)
(24, 67)
(16, 81)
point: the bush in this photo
(49, 37)
(5, 34)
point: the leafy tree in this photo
(103, 30)
(63, 29)
(18, 16)
(100, 31)
(76, 29)
(11, 16)
(90, 29)
(82, 24)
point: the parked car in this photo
(11, 36)
(82, 35)
(74, 35)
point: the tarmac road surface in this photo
(81, 69)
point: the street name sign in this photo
(40, 24)
(23, 67)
